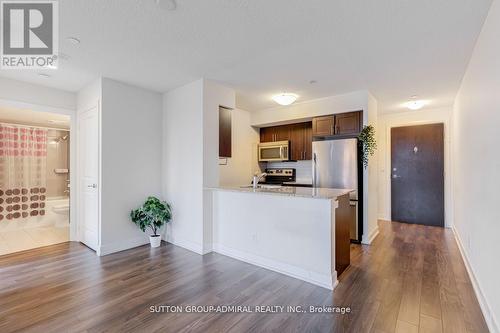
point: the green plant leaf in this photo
(153, 214)
(368, 143)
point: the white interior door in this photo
(88, 166)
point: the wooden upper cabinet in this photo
(297, 142)
(275, 133)
(299, 135)
(224, 132)
(342, 124)
(323, 126)
(301, 141)
(282, 133)
(266, 134)
(308, 141)
(347, 123)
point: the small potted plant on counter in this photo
(153, 214)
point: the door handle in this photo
(395, 176)
(92, 186)
(314, 170)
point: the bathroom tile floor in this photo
(29, 238)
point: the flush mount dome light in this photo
(285, 99)
(416, 104)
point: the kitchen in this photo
(313, 161)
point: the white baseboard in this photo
(188, 245)
(483, 303)
(322, 280)
(368, 240)
(122, 245)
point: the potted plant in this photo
(368, 143)
(153, 214)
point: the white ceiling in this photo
(393, 48)
(34, 118)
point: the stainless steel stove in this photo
(279, 176)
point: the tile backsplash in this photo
(304, 169)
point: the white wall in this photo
(370, 178)
(19, 91)
(190, 159)
(214, 95)
(131, 149)
(476, 162)
(182, 166)
(354, 101)
(243, 163)
(411, 118)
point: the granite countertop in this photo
(303, 192)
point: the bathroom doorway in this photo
(34, 179)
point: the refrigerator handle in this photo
(314, 171)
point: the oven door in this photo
(273, 151)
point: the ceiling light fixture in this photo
(285, 98)
(415, 104)
(73, 40)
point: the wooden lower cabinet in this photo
(342, 235)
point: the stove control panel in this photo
(286, 172)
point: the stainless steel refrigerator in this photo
(335, 165)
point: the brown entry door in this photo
(417, 174)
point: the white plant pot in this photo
(155, 241)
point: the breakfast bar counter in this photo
(294, 231)
(303, 192)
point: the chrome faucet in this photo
(257, 178)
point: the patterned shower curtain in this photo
(23, 161)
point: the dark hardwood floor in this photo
(411, 278)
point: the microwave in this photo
(274, 151)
